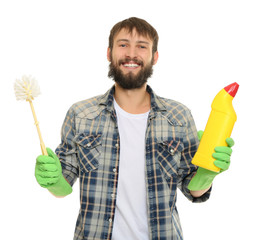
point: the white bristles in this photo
(26, 89)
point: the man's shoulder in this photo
(87, 107)
(87, 103)
(176, 112)
(171, 104)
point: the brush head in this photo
(26, 89)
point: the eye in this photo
(142, 47)
(122, 45)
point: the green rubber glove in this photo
(48, 173)
(204, 178)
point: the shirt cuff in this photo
(69, 174)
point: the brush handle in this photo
(44, 152)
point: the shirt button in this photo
(114, 169)
(117, 145)
(172, 151)
(110, 220)
(112, 195)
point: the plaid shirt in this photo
(90, 151)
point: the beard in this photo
(130, 80)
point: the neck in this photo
(135, 101)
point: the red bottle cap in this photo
(232, 89)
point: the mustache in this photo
(128, 59)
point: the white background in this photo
(203, 47)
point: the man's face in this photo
(131, 59)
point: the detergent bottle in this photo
(219, 127)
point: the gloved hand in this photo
(48, 173)
(204, 178)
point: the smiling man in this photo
(130, 149)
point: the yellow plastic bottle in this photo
(219, 127)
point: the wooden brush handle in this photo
(44, 152)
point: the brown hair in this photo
(142, 27)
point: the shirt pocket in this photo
(89, 151)
(169, 156)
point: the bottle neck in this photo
(223, 103)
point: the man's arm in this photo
(199, 193)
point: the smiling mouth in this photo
(130, 64)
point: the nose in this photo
(131, 52)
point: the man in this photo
(130, 149)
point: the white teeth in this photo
(131, 65)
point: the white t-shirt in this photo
(130, 221)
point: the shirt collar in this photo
(108, 100)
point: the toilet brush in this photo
(27, 89)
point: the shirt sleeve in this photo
(191, 142)
(66, 151)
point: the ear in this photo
(155, 57)
(109, 54)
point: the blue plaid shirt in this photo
(90, 151)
